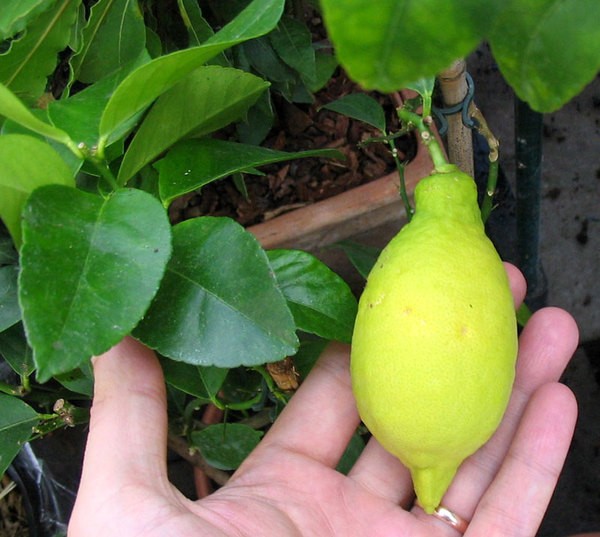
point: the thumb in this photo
(128, 423)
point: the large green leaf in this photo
(192, 164)
(219, 303)
(387, 45)
(146, 83)
(226, 445)
(89, 269)
(208, 99)
(547, 49)
(26, 66)
(15, 15)
(321, 302)
(17, 420)
(114, 36)
(25, 164)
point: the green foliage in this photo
(133, 93)
(225, 446)
(544, 48)
(125, 92)
(194, 163)
(17, 421)
(33, 56)
(211, 293)
(90, 267)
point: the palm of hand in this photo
(289, 487)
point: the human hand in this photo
(288, 486)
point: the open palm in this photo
(289, 486)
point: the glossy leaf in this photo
(17, 421)
(90, 267)
(218, 303)
(387, 46)
(25, 67)
(194, 163)
(26, 163)
(320, 301)
(16, 351)
(361, 107)
(114, 36)
(146, 83)
(226, 445)
(202, 382)
(547, 50)
(208, 99)
(10, 312)
(15, 15)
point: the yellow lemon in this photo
(435, 340)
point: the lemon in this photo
(435, 341)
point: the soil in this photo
(13, 519)
(304, 181)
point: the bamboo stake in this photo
(454, 87)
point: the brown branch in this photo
(181, 447)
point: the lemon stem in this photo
(440, 163)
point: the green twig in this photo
(105, 173)
(493, 144)
(486, 206)
(403, 194)
(422, 125)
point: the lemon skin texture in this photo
(435, 340)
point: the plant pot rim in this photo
(360, 209)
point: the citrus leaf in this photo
(226, 445)
(387, 47)
(547, 49)
(361, 107)
(17, 420)
(146, 83)
(202, 382)
(353, 451)
(12, 108)
(198, 29)
(26, 163)
(218, 303)
(10, 312)
(90, 267)
(361, 256)
(208, 99)
(16, 351)
(320, 301)
(292, 41)
(114, 36)
(17, 14)
(194, 163)
(26, 66)
(89, 103)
